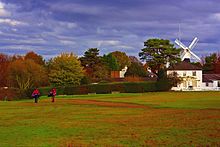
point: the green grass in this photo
(169, 119)
(192, 100)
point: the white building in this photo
(191, 77)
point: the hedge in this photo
(9, 94)
(102, 88)
(163, 85)
(43, 91)
(46, 90)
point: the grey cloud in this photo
(110, 25)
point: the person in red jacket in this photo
(36, 95)
(53, 93)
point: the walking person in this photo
(53, 93)
(36, 95)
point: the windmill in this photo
(186, 52)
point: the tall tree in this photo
(17, 57)
(122, 59)
(134, 59)
(25, 74)
(4, 62)
(136, 70)
(65, 70)
(94, 66)
(211, 59)
(90, 58)
(111, 62)
(100, 72)
(210, 62)
(35, 57)
(158, 52)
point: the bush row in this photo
(126, 87)
(9, 94)
(104, 88)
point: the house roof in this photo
(210, 77)
(184, 66)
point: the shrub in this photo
(139, 87)
(11, 94)
(85, 80)
(133, 88)
(100, 88)
(76, 90)
(163, 85)
(127, 87)
(117, 87)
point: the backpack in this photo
(50, 94)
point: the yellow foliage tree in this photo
(65, 70)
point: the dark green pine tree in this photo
(136, 70)
(91, 58)
(158, 52)
(111, 62)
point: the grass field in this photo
(149, 119)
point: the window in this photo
(206, 84)
(184, 73)
(194, 73)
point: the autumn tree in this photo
(25, 74)
(134, 59)
(158, 52)
(94, 66)
(210, 62)
(65, 70)
(35, 57)
(17, 57)
(122, 59)
(4, 62)
(100, 73)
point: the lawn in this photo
(149, 119)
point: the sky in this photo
(50, 27)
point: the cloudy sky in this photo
(50, 27)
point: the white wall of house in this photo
(213, 84)
(207, 84)
(190, 78)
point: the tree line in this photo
(66, 69)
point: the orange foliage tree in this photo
(4, 62)
(122, 59)
(25, 74)
(35, 57)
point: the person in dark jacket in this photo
(53, 93)
(36, 95)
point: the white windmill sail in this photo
(180, 44)
(186, 52)
(194, 55)
(193, 44)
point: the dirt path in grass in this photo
(85, 102)
(101, 103)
